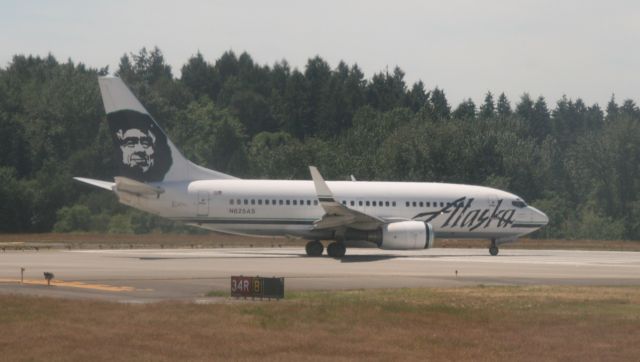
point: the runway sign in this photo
(257, 287)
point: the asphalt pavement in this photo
(147, 275)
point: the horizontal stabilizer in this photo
(128, 185)
(101, 184)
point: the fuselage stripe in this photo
(247, 222)
(527, 225)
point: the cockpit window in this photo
(519, 203)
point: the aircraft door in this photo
(203, 203)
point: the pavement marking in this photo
(72, 284)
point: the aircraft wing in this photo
(336, 214)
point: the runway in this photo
(147, 275)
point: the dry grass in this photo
(125, 241)
(480, 323)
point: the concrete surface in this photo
(189, 274)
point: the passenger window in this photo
(367, 203)
(308, 202)
(266, 202)
(280, 202)
(441, 204)
(246, 202)
(259, 201)
(374, 203)
(288, 202)
(407, 204)
(238, 202)
(386, 203)
(380, 203)
(344, 202)
(414, 204)
(273, 202)
(428, 204)
(393, 204)
(359, 203)
(231, 202)
(295, 202)
(421, 204)
(253, 201)
(315, 202)
(352, 203)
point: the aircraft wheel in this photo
(493, 250)
(336, 250)
(314, 248)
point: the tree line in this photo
(579, 163)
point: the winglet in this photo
(322, 190)
(336, 214)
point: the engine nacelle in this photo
(406, 235)
(401, 235)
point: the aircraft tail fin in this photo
(143, 152)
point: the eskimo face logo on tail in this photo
(141, 149)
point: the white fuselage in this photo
(289, 208)
(154, 176)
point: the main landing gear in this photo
(493, 249)
(314, 248)
(336, 249)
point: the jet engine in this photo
(401, 235)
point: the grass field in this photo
(214, 240)
(477, 323)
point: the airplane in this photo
(154, 176)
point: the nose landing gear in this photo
(493, 249)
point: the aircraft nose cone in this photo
(540, 216)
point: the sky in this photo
(582, 49)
